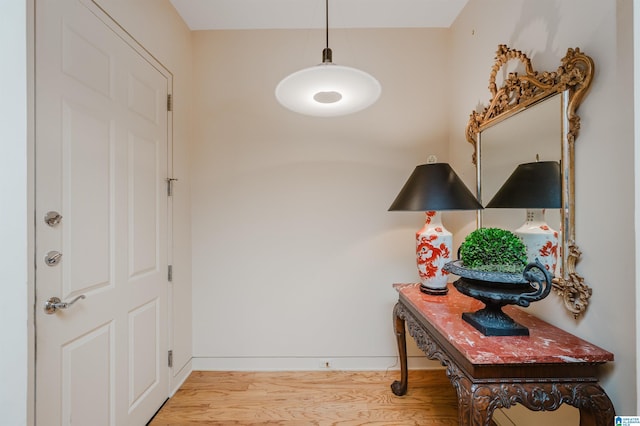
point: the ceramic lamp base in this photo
(540, 239)
(433, 251)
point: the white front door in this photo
(102, 164)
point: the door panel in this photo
(86, 146)
(102, 162)
(88, 378)
(143, 346)
(143, 206)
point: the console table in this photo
(540, 371)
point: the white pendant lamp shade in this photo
(328, 90)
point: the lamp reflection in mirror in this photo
(431, 188)
(535, 187)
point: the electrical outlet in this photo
(326, 364)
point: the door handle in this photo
(54, 303)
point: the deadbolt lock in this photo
(53, 258)
(52, 218)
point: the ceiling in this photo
(304, 14)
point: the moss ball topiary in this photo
(493, 250)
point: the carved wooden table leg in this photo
(596, 409)
(400, 387)
(482, 402)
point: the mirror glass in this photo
(535, 133)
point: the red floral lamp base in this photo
(540, 239)
(433, 251)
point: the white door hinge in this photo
(170, 358)
(170, 273)
(170, 102)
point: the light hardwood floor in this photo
(337, 398)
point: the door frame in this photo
(17, 188)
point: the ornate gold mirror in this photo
(532, 116)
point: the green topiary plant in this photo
(493, 250)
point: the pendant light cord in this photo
(326, 53)
(326, 15)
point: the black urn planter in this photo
(498, 289)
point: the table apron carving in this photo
(479, 398)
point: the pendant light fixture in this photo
(327, 89)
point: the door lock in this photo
(53, 258)
(52, 218)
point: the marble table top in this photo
(546, 343)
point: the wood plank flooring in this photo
(336, 398)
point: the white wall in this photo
(294, 251)
(14, 252)
(604, 152)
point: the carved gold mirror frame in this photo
(517, 93)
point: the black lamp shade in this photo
(434, 186)
(531, 186)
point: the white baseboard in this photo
(181, 375)
(310, 364)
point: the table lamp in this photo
(431, 188)
(534, 186)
